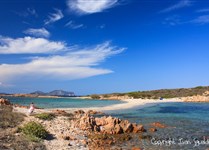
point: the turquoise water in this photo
(188, 122)
(62, 102)
(185, 121)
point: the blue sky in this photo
(103, 46)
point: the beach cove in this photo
(181, 120)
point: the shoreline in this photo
(129, 104)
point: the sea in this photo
(187, 123)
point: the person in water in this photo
(32, 108)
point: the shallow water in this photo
(62, 102)
(188, 123)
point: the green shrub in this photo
(106, 96)
(8, 118)
(95, 96)
(45, 116)
(34, 131)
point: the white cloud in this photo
(181, 4)
(90, 6)
(201, 19)
(29, 45)
(3, 85)
(172, 20)
(28, 12)
(81, 63)
(73, 25)
(32, 12)
(53, 17)
(42, 32)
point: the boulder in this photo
(118, 129)
(126, 126)
(59, 112)
(136, 148)
(138, 128)
(4, 101)
(152, 129)
(92, 112)
(79, 112)
(101, 121)
(158, 125)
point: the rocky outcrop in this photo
(20, 106)
(198, 98)
(4, 101)
(79, 112)
(158, 125)
(152, 129)
(107, 125)
(59, 112)
(93, 112)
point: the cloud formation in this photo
(28, 12)
(72, 25)
(42, 32)
(29, 45)
(80, 63)
(53, 17)
(90, 6)
(204, 19)
(181, 4)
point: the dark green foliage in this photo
(166, 93)
(95, 96)
(45, 116)
(9, 122)
(34, 131)
(106, 95)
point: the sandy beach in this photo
(128, 104)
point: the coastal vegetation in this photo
(95, 96)
(10, 138)
(45, 116)
(156, 94)
(34, 131)
(9, 119)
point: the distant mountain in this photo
(39, 93)
(60, 93)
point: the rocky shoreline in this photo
(85, 130)
(89, 129)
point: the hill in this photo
(60, 93)
(155, 94)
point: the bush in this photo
(34, 131)
(95, 96)
(45, 116)
(8, 118)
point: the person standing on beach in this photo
(32, 108)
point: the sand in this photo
(128, 104)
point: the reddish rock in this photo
(92, 112)
(118, 129)
(79, 112)
(138, 128)
(60, 112)
(126, 126)
(158, 125)
(66, 137)
(101, 121)
(4, 102)
(136, 148)
(152, 129)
